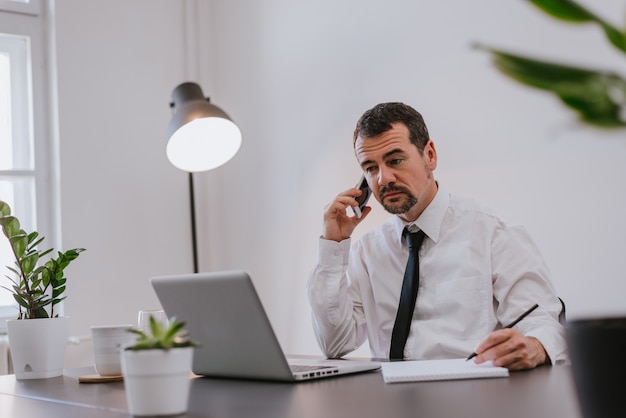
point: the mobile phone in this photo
(363, 198)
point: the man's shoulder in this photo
(464, 204)
(464, 210)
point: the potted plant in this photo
(157, 368)
(38, 337)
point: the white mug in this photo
(108, 341)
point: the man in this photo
(476, 273)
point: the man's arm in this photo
(338, 319)
(521, 279)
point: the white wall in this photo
(118, 62)
(296, 76)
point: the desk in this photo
(545, 392)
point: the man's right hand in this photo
(338, 225)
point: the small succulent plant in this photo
(162, 336)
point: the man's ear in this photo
(430, 155)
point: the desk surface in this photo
(542, 392)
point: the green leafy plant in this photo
(35, 287)
(598, 96)
(162, 337)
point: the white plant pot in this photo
(157, 381)
(38, 346)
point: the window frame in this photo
(33, 20)
(29, 7)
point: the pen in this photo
(511, 325)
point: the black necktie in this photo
(408, 295)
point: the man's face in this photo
(400, 178)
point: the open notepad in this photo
(448, 369)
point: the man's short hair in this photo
(380, 118)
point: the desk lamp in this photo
(201, 137)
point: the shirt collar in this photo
(431, 219)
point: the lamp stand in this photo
(194, 239)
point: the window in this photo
(25, 174)
(17, 185)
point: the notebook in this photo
(447, 369)
(224, 314)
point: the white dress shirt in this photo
(476, 274)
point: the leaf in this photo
(68, 256)
(32, 236)
(46, 252)
(28, 263)
(45, 277)
(58, 291)
(571, 11)
(35, 283)
(5, 210)
(20, 300)
(17, 273)
(6, 288)
(18, 290)
(10, 226)
(156, 328)
(19, 244)
(43, 301)
(598, 96)
(564, 10)
(58, 282)
(174, 329)
(541, 73)
(11, 280)
(39, 270)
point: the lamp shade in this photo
(201, 136)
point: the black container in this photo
(598, 351)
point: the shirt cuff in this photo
(332, 253)
(555, 345)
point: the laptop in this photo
(224, 314)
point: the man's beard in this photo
(398, 207)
